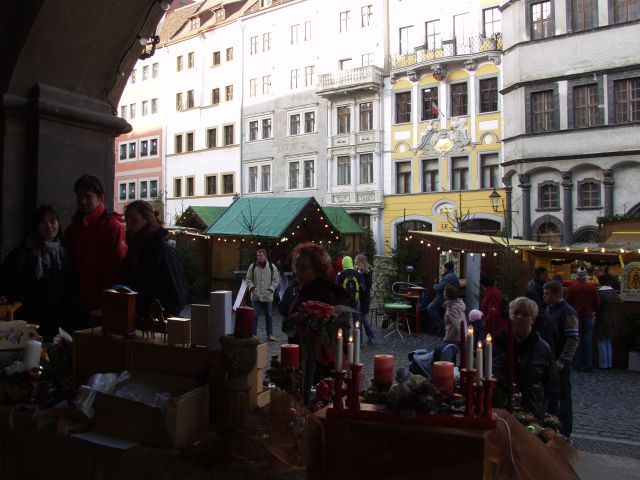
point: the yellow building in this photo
(445, 146)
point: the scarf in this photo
(50, 256)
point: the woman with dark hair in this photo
(38, 274)
(151, 266)
(312, 268)
(491, 306)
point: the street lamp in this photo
(494, 198)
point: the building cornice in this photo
(579, 156)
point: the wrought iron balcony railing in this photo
(349, 79)
(448, 50)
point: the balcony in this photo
(361, 78)
(450, 50)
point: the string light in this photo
(516, 250)
(428, 244)
(421, 242)
(495, 254)
(586, 250)
(602, 249)
(471, 254)
(567, 249)
(549, 248)
(483, 254)
(622, 250)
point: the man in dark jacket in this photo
(449, 277)
(535, 286)
(583, 296)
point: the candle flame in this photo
(489, 339)
(470, 330)
(339, 333)
(350, 338)
(479, 345)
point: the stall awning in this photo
(466, 241)
(200, 217)
(623, 240)
(344, 222)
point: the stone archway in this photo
(548, 229)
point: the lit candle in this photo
(350, 351)
(32, 350)
(383, 369)
(488, 354)
(356, 341)
(479, 357)
(469, 352)
(339, 351)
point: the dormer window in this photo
(220, 15)
(195, 23)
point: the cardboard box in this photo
(262, 360)
(256, 386)
(200, 324)
(186, 413)
(94, 352)
(119, 313)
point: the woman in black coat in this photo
(152, 267)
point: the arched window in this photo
(587, 234)
(549, 232)
(403, 227)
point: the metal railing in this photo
(350, 78)
(448, 49)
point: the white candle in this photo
(488, 354)
(339, 351)
(470, 348)
(32, 349)
(356, 344)
(350, 351)
(479, 357)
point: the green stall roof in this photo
(344, 222)
(204, 215)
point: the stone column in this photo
(567, 208)
(609, 182)
(508, 212)
(525, 185)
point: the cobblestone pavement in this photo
(606, 403)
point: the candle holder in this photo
(353, 384)
(478, 399)
(468, 376)
(488, 384)
(338, 376)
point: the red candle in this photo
(290, 355)
(463, 357)
(443, 376)
(383, 369)
(243, 328)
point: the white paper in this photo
(105, 440)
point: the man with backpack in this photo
(353, 282)
(262, 281)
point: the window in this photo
(123, 151)
(307, 30)
(132, 190)
(403, 107)
(626, 10)
(294, 34)
(308, 75)
(458, 99)
(189, 191)
(195, 23)
(177, 187)
(584, 14)
(459, 173)
(433, 36)
(155, 68)
(179, 63)
(540, 20)
(430, 103)
(309, 174)
(254, 45)
(366, 12)
(366, 168)
(153, 146)
(345, 63)
(366, 116)
(133, 76)
(144, 189)
(589, 193)
(229, 54)
(266, 42)
(430, 178)
(190, 99)
(585, 105)
(294, 124)
(344, 119)
(228, 134)
(153, 189)
(210, 185)
(132, 150)
(627, 100)
(253, 130)
(132, 110)
(364, 221)
(266, 84)
(344, 170)
(253, 180)
(266, 128)
(403, 177)
(367, 59)
(228, 93)
(123, 111)
(265, 178)
(154, 106)
(492, 20)
(216, 59)
(212, 137)
(145, 72)
(253, 86)
(227, 183)
(309, 122)
(542, 111)
(145, 108)
(462, 33)
(215, 96)
(178, 101)
(405, 37)
(488, 95)
(178, 143)
(122, 188)
(294, 173)
(295, 75)
(189, 142)
(489, 170)
(220, 15)
(144, 148)
(548, 196)
(344, 21)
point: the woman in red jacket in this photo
(491, 306)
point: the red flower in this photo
(316, 309)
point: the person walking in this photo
(362, 266)
(583, 296)
(605, 322)
(262, 281)
(564, 347)
(491, 306)
(536, 285)
(449, 277)
(353, 282)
